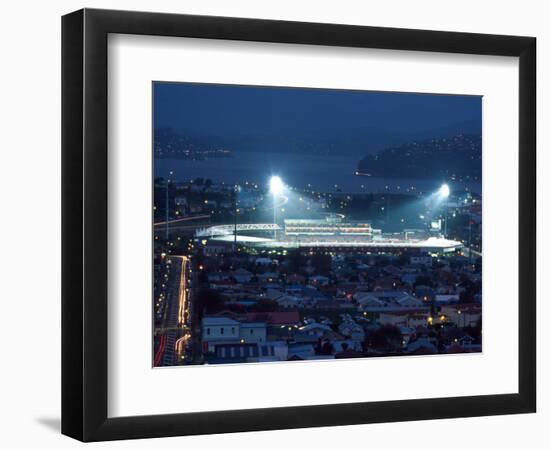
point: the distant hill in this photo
(458, 156)
(323, 142)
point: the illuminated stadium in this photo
(328, 230)
(331, 232)
(331, 226)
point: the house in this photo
(368, 301)
(289, 301)
(219, 276)
(263, 261)
(273, 294)
(456, 348)
(281, 333)
(272, 351)
(385, 284)
(223, 285)
(426, 293)
(446, 298)
(349, 289)
(409, 278)
(275, 318)
(408, 301)
(227, 353)
(423, 260)
(212, 249)
(300, 351)
(252, 332)
(467, 342)
(397, 319)
(386, 301)
(295, 279)
(218, 330)
(388, 296)
(452, 335)
(293, 289)
(423, 345)
(315, 329)
(390, 269)
(410, 319)
(268, 277)
(242, 275)
(463, 315)
(352, 330)
(180, 201)
(319, 280)
(329, 303)
(244, 302)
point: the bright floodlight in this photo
(276, 185)
(444, 190)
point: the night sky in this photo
(204, 109)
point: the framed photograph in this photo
(273, 224)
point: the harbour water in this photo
(303, 171)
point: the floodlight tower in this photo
(276, 187)
(444, 192)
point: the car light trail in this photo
(160, 351)
(182, 290)
(180, 345)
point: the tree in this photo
(387, 338)
(203, 277)
(403, 259)
(423, 280)
(322, 263)
(296, 261)
(208, 299)
(471, 289)
(324, 347)
(265, 305)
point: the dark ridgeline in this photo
(169, 143)
(459, 156)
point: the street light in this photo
(168, 180)
(236, 190)
(276, 187)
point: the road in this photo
(182, 219)
(174, 331)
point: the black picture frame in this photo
(84, 224)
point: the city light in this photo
(276, 185)
(444, 190)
